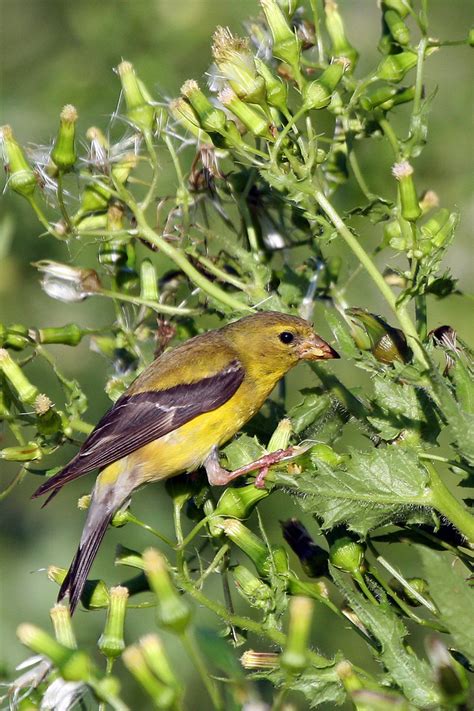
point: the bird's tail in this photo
(73, 583)
(113, 487)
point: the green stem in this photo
(389, 133)
(318, 33)
(138, 301)
(62, 204)
(191, 648)
(155, 168)
(284, 133)
(354, 163)
(352, 242)
(447, 505)
(150, 529)
(179, 258)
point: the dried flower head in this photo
(66, 283)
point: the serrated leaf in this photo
(452, 595)
(411, 674)
(321, 686)
(370, 489)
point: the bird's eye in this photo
(286, 337)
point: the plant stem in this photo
(447, 505)
(194, 653)
(138, 301)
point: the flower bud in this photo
(276, 89)
(162, 696)
(139, 111)
(255, 121)
(295, 654)
(127, 556)
(325, 453)
(154, 653)
(26, 391)
(113, 251)
(410, 206)
(122, 167)
(248, 542)
(345, 553)
(341, 47)
(16, 337)
(235, 62)
(403, 7)
(95, 198)
(450, 676)
(259, 660)
(313, 559)
(48, 421)
(386, 97)
(210, 118)
(418, 584)
(440, 230)
(239, 502)
(187, 117)
(72, 664)
(69, 335)
(397, 27)
(371, 332)
(95, 594)
(148, 281)
(63, 631)
(22, 453)
(21, 177)
(173, 613)
(252, 589)
(429, 200)
(280, 438)
(65, 283)
(395, 66)
(349, 678)
(64, 153)
(286, 45)
(111, 642)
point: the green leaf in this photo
(410, 673)
(319, 686)
(243, 450)
(370, 489)
(452, 595)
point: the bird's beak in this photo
(314, 348)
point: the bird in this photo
(177, 413)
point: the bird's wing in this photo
(139, 418)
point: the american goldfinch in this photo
(177, 413)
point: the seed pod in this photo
(172, 612)
(73, 665)
(276, 89)
(397, 27)
(22, 453)
(248, 542)
(16, 337)
(64, 153)
(325, 454)
(187, 117)
(111, 642)
(373, 333)
(211, 119)
(63, 630)
(254, 120)
(69, 335)
(139, 111)
(154, 653)
(410, 206)
(345, 553)
(295, 654)
(395, 66)
(313, 559)
(21, 177)
(386, 97)
(252, 589)
(402, 7)
(419, 584)
(286, 45)
(26, 391)
(259, 660)
(163, 696)
(317, 94)
(48, 421)
(239, 502)
(341, 47)
(148, 281)
(280, 438)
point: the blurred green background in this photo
(56, 52)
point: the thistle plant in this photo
(261, 159)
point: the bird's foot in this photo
(218, 476)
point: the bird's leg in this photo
(218, 476)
